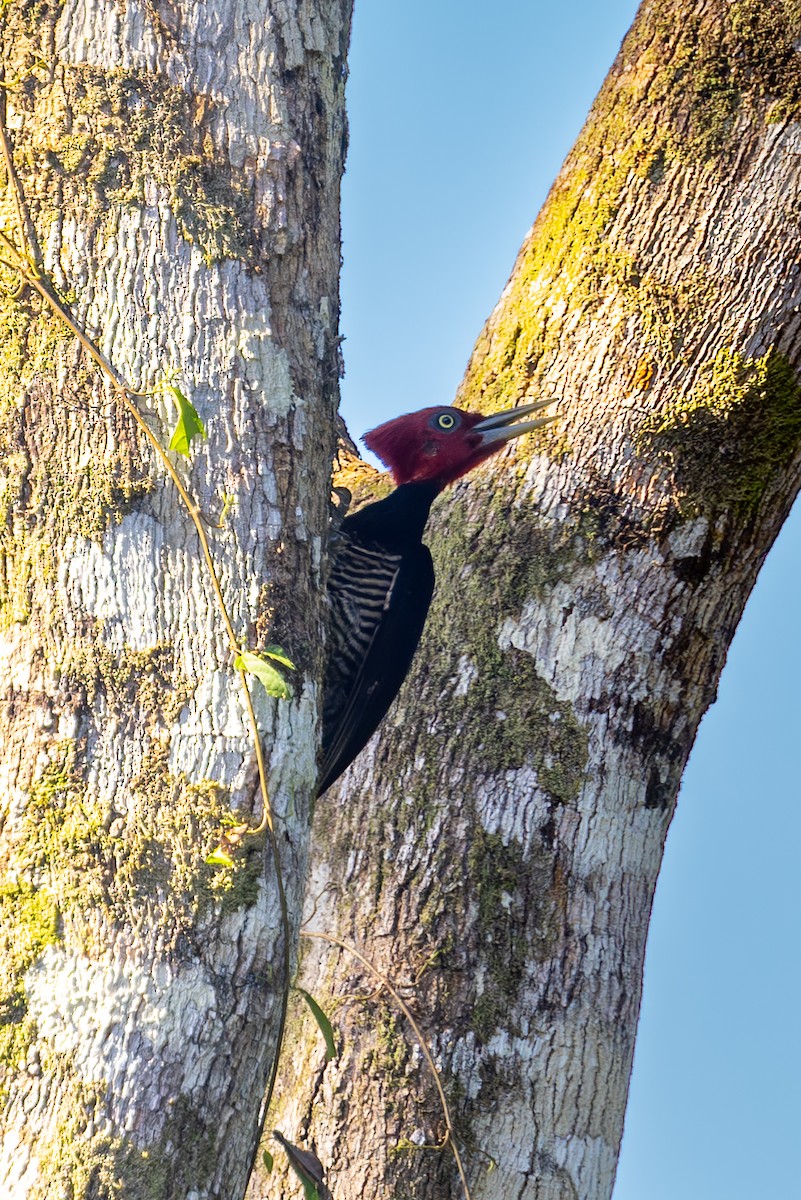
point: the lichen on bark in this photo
(102, 136)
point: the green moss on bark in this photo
(28, 923)
(733, 56)
(100, 138)
(32, 343)
(26, 564)
(59, 476)
(151, 859)
(495, 870)
(143, 685)
(94, 140)
(487, 569)
(727, 439)
(518, 893)
(390, 1053)
(82, 1161)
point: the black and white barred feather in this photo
(379, 592)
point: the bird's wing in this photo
(365, 675)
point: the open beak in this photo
(501, 427)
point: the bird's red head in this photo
(438, 445)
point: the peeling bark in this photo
(495, 848)
(181, 163)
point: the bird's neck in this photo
(399, 519)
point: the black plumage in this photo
(379, 592)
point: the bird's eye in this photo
(445, 420)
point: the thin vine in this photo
(449, 1139)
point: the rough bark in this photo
(181, 163)
(495, 848)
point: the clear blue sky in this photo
(461, 114)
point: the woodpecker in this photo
(382, 576)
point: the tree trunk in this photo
(181, 166)
(494, 851)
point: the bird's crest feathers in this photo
(434, 444)
(437, 445)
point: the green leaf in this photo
(189, 423)
(310, 1191)
(268, 1160)
(271, 680)
(279, 655)
(218, 858)
(326, 1028)
(306, 1166)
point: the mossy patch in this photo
(495, 871)
(390, 1053)
(32, 342)
(510, 715)
(26, 564)
(662, 313)
(86, 497)
(102, 137)
(517, 893)
(738, 55)
(149, 862)
(727, 439)
(145, 686)
(505, 713)
(767, 62)
(83, 1160)
(66, 469)
(28, 923)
